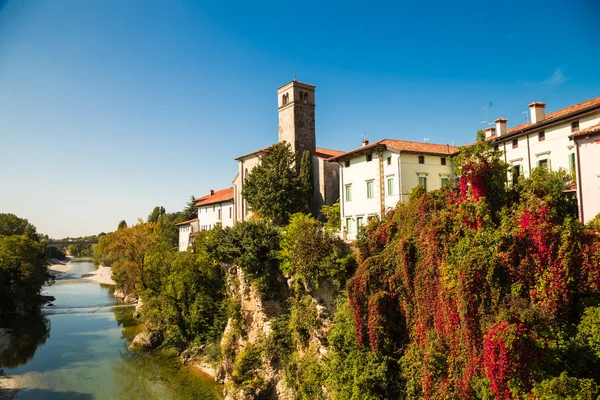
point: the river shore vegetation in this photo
(485, 290)
(23, 261)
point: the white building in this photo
(187, 231)
(216, 208)
(549, 141)
(376, 176)
(587, 150)
(296, 110)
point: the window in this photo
(230, 212)
(347, 163)
(544, 164)
(541, 136)
(370, 190)
(444, 182)
(369, 157)
(421, 159)
(575, 126)
(423, 182)
(390, 186)
(246, 174)
(219, 214)
(285, 99)
(572, 164)
(389, 161)
(213, 207)
(443, 159)
(515, 143)
(496, 147)
(348, 224)
(359, 224)
(516, 173)
(348, 192)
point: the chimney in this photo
(489, 131)
(501, 126)
(365, 142)
(212, 192)
(538, 111)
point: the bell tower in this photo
(296, 106)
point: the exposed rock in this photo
(146, 340)
(130, 299)
(119, 294)
(138, 309)
(8, 387)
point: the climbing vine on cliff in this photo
(476, 291)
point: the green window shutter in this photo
(572, 163)
(549, 165)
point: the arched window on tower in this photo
(246, 174)
(305, 98)
(285, 99)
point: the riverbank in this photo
(8, 386)
(58, 267)
(102, 275)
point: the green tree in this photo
(122, 224)
(10, 225)
(273, 189)
(189, 212)
(157, 212)
(306, 178)
(333, 218)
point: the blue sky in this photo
(108, 108)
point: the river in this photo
(79, 349)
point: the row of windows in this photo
(285, 98)
(517, 170)
(219, 210)
(542, 135)
(369, 158)
(390, 187)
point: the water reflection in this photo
(27, 335)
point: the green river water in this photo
(78, 349)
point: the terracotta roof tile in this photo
(588, 130)
(327, 153)
(559, 113)
(218, 197)
(187, 222)
(404, 146)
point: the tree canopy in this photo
(273, 190)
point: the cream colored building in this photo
(376, 176)
(187, 231)
(547, 141)
(217, 207)
(296, 110)
(587, 150)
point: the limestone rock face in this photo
(146, 341)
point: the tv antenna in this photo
(525, 116)
(488, 105)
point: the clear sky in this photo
(108, 108)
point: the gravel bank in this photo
(102, 275)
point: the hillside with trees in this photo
(485, 290)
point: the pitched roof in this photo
(187, 222)
(201, 198)
(404, 146)
(556, 115)
(218, 196)
(327, 153)
(587, 131)
(320, 152)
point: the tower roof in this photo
(296, 83)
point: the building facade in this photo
(551, 141)
(296, 113)
(375, 177)
(587, 151)
(216, 208)
(187, 231)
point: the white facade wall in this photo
(402, 169)
(212, 214)
(556, 147)
(245, 167)
(589, 162)
(184, 235)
